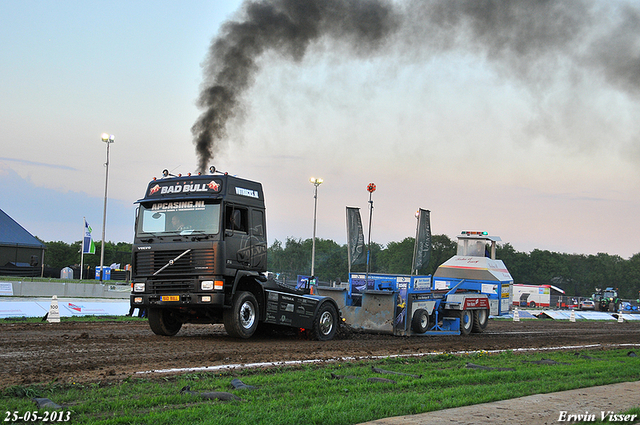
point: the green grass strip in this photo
(310, 395)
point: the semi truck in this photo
(199, 255)
(458, 299)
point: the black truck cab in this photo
(200, 256)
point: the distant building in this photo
(21, 254)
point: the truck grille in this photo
(192, 263)
(170, 287)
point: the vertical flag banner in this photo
(355, 236)
(422, 250)
(88, 247)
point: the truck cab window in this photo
(236, 219)
(257, 224)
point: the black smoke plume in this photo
(287, 26)
(527, 39)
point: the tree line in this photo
(577, 274)
(61, 254)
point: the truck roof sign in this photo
(202, 187)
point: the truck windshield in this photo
(471, 247)
(182, 218)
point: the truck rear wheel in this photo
(466, 322)
(164, 322)
(420, 321)
(241, 320)
(480, 320)
(325, 324)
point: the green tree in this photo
(60, 254)
(397, 257)
(442, 248)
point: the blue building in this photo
(21, 253)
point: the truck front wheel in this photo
(325, 325)
(241, 320)
(164, 322)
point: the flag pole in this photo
(348, 243)
(84, 226)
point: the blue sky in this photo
(549, 162)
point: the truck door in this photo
(237, 237)
(258, 240)
(245, 238)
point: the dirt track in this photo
(87, 352)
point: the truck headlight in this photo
(210, 285)
(138, 287)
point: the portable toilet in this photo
(66, 273)
(106, 270)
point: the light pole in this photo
(371, 187)
(108, 139)
(315, 182)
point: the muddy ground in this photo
(113, 351)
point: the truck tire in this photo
(466, 322)
(480, 320)
(164, 322)
(325, 324)
(420, 321)
(241, 320)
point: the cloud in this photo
(39, 164)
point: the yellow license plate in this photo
(170, 298)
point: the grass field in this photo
(333, 393)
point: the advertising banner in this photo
(355, 236)
(422, 252)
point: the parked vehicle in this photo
(607, 299)
(536, 296)
(587, 305)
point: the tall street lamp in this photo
(315, 182)
(108, 139)
(371, 187)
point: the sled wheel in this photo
(466, 322)
(480, 320)
(420, 321)
(241, 320)
(325, 324)
(164, 322)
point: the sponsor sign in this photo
(476, 303)
(184, 187)
(6, 289)
(247, 192)
(422, 283)
(178, 206)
